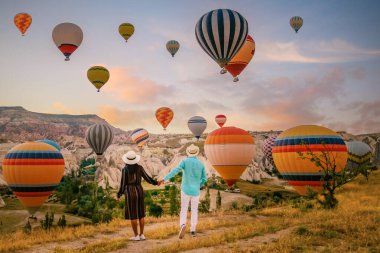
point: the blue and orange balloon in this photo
(33, 170)
(303, 173)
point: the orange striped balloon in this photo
(33, 170)
(230, 150)
(22, 21)
(242, 58)
(303, 173)
(164, 115)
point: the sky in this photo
(327, 74)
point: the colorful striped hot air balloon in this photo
(172, 46)
(126, 30)
(220, 119)
(67, 37)
(296, 23)
(267, 148)
(241, 59)
(99, 137)
(140, 136)
(98, 76)
(303, 173)
(221, 33)
(164, 115)
(359, 153)
(50, 142)
(22, 21)
(197, 125)
(230, 150)
(33, 170)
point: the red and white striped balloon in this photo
(220, 119)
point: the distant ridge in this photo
(18, 125)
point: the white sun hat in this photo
(192, 150)
(130, 157)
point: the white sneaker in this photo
(142, 237)
(135, 238)
(182, 231)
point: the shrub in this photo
(47, 223)
(62, 221)
(155, 210)
(301, 230)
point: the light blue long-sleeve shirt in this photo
(193, 175)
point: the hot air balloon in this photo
(172, 46)
(197, 125)
(220, 119)
(359, 153)
(99, 137)
(98, 76)
(50, 142)
(241, 59)
(33, 170)
(221, 33)
(296, 23)
(230, 150)
(22, 21)
(140, 136)
(126, 30)
(164, 115)
(303, 173)
(67, 37)
(267, 148)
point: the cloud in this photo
(61, 108)
(334, 51)
(283, 102)
(134, 90)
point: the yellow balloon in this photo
(126, 30)
(98, 76)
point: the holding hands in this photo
(160, 182)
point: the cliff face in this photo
(19, 125)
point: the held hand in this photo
(160, 182)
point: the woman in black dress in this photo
(134, 193)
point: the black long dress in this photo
(130, 185)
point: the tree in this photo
(155, 210)
(332, 177)
(173, 200)
(47, 223)
(218, 200)
(62, 221)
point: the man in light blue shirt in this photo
(193, 177)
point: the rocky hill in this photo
(159, 156)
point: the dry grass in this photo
(98, 247)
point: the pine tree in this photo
(207, 199)
(174, 203)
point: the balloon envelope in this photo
(303, 173)
(50, 142)
(220, 119)
(242, 58)
(126, 30)
(359, 153)
(98, 76)
(296, 23)
(99, 137)
(140, 136)
(22, 21)
(33, 170)
(164, 115)
(172, 46)
(67, 37)
(230, 150)
(197, 125)
(221, 33)
(267, 148)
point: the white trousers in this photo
(194, 200)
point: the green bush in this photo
(47, 223)
(62, 221)
(155, 210)
(301, 230)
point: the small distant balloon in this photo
(359, 154)
(98, 76)
(164, 116)
(296, 23)
(99, 137)
(67, 37)
(197, 125)
(126, 30)
(172, 46)
(22, 21)
(140, 136)
(220, 119)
